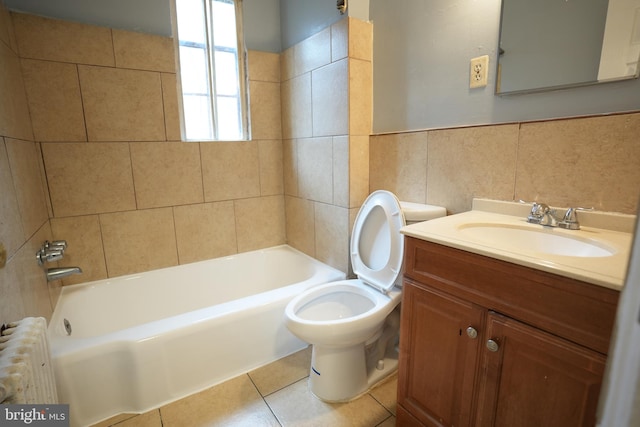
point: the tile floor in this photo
(274, 395)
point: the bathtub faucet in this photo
(60, 272)
(54, 251)
(51, 251)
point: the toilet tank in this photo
(418, 212)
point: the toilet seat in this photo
(305, 317)
(377, 247)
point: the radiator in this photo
(26, 371)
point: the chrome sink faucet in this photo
(544, 215)
(570, 218)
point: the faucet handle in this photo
(540, 208)
(570, 219)
(60, 245)
(538, 211)
(51, 251)
(48, 255)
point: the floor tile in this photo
(389, 422)
(282, 372)
(386, 393)
(114, 420)
(148, 419)
(233, 403)
(289, 403)
(296, 406)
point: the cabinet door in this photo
(438, 358)
(531, 378)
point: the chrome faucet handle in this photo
(51, 251)
(570, 219)
(48, 255)
(538, 212)
(56, 245)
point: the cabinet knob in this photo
(492, 346)
(472, 333)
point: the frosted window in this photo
(212, 70)
(224, 24)
(197, 116)
(194, 70)
(191, 21)
(227, 74)
(229, 115)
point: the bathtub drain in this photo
(67, 326)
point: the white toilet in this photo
(354, 325)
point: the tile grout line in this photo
(381, 404)
(264, 400)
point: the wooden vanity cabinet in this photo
(484, 342)
(438, 361)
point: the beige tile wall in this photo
(24, 213)
(590, 162)
(129, 197)
(125, 193)
(326, 120)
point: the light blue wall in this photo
(262, 25)
(261, 17)
(147, 16)
(422, 50)
(301, 19)
(421, 71)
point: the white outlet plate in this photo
(478, 71)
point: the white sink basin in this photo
(539, 239)
(594, 255)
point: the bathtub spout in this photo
(59, 273)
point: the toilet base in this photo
(344, 374)
(331, 383)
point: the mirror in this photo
(553, 44)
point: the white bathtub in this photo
(143, 340)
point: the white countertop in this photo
(608, 271)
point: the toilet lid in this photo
(377, 247)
